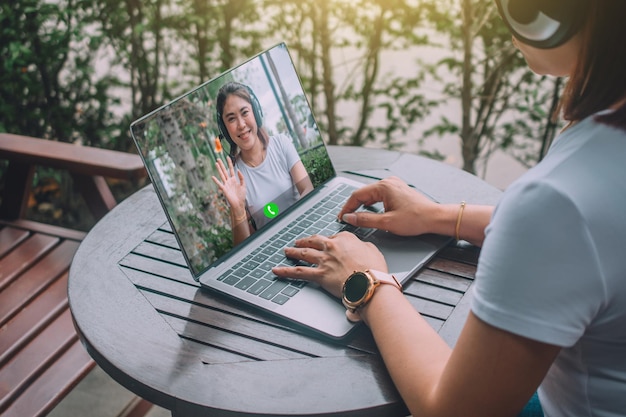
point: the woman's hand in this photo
(233, 187)
(333, 258)
(407, 212)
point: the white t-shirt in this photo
(270, 182)
(553, 269)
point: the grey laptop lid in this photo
(181, 144)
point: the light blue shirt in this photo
(553, 268)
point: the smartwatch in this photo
(360, 286)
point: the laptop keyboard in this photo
(254, 272)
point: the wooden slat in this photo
(46, 229)
(11, 237)
(41, 358)
(444, 280)
(222, 343)
(96, 192)
(206, 308)
(163, 253)
(29, 363)
(163, 277)
(16, 262)
(453, 267)
(461, 252)
(78, 159)
(434, 322)
(430, 308)
(162, 269)
(163, 238)
(434, 293)
(260, 341)
(207, 351)
(36, 279)
(38, 398)
(31, 320)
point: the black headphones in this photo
(543, 23)
(228, 89)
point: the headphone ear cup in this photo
(256, 108)
(543, 23)
(224, 133)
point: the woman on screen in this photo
(264, 174)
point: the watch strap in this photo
(385, 278)
(377, 278)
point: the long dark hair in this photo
(244, 92)
(599, 79)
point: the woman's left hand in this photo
(334, 259)
(232, 185)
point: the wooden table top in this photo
(154, 330)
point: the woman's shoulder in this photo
(281, 144)
(281, 140)
(586, 130)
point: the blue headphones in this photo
(228, 89)
(543, 23)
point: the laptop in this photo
(181, 144)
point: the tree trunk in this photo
(326, 44)
(468, 135)
(370, 72)
(299, 132)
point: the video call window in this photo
(187, 146)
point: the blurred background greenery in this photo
(398, 74)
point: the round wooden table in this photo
(155, 331)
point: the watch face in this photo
(356, 287)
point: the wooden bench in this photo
(41, 357)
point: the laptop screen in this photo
(232, 155)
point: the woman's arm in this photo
(408, 212)
(490, 372)
(240, 226)
(471, 219)
(233, 187)
(301, 179)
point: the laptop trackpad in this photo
(401, 253)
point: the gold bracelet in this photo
(238, 220)
(458, 220)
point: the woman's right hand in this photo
(407, 212)
(232, 186)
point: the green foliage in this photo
(218, 239)
(503, 104)
(48, 86)
(315, 161)
(158, 49)
(320, 32)
(403, 106)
